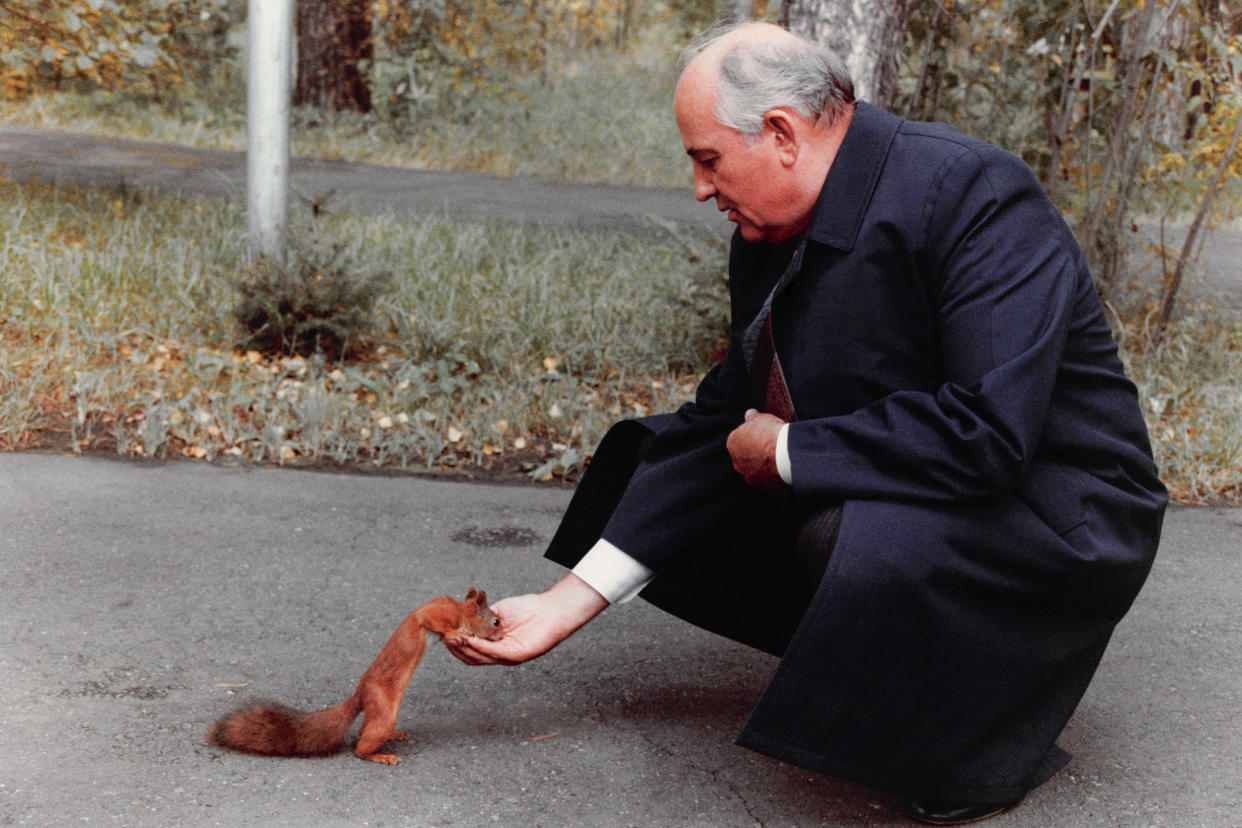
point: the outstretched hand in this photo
(533, 624)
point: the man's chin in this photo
(769, 234)
(749, 231)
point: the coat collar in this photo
(851, 179)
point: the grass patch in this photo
(1191, 391)
(501, 347)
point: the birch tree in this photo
(868, 36)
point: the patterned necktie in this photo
(767, 378)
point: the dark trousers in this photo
(750, 579)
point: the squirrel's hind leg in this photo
(376, 730)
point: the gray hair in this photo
(758, 76)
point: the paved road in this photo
(143, 600)
(95, 160)
(99, 161)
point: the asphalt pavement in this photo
(143, 600)
(101, 161)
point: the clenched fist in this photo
(752, 445)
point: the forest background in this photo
(131, 323)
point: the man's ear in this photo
(785, 132)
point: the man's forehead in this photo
(693, 107)
(701, 136)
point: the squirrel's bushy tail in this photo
(272, 729)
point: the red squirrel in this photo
(271, 729)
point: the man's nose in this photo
(703, 186)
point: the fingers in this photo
(467, 654)
(770, 419)
(506, 653)
(462, 653)
(476, 651)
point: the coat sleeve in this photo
(1004, 274)
(687, 476)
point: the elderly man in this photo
(919, 474)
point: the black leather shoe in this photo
(930, 812)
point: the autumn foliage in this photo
(56, 43)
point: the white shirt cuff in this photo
(783, 466)
(612, 573)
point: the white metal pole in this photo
(269, 64)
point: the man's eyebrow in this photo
(695, 152)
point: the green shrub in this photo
(312, 306)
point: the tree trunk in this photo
(624, 22)
(334, 36)
(1171, 286)
(868, 36)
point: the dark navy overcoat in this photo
(955, 385)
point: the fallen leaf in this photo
(531, 739)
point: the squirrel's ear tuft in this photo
(470, 595)
(480, 598)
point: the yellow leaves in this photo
(105, 42)
(15, 84)
(469, 36)
(1171, 162)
